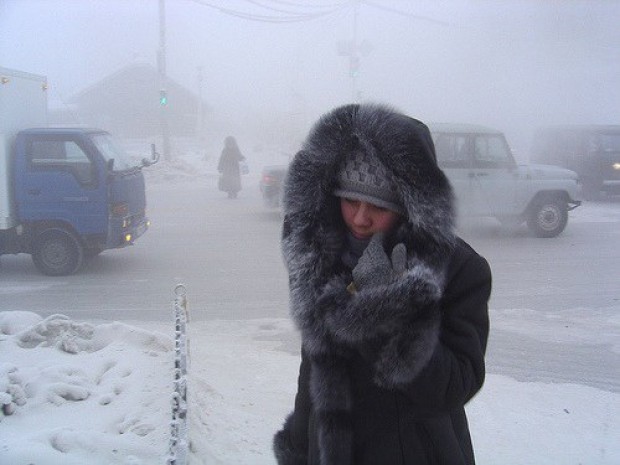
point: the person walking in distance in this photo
(228, 167)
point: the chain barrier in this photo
(179, 438)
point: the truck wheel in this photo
(548, 217)
(92, 252)
(57, 252)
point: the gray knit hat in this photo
(363, 177)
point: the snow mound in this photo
(75, 393)
(13, 322)
(57, 331)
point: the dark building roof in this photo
(127, 103)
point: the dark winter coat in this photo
(385, 371)
(228, 166)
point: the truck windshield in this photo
(111, 150)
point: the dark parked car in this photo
(270, 184)
(592, 151)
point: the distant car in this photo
(270, 184)
(487, 181)
(592, 151)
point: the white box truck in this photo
(23, 104)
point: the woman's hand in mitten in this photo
(375, 268)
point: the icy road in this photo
(555, 307)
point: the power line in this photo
(311, 5)
(292, 17)
(402, 13)
(262, 4)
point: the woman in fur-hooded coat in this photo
(385, 371)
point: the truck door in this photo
(57, 179)
(494, 177)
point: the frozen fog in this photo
(86, 360)
(266, 70)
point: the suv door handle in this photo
(474, 175)
(34, 191)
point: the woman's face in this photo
(365, 219)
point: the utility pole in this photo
(163, 81)
(354, 59)
(200, 113)
(354, 51)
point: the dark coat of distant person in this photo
(228, 167)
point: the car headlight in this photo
(616, 166)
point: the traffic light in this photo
(354, 66)
(163, 98)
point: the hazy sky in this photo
(508, 64)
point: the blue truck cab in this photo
(75, 194)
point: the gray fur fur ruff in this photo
(395, 327)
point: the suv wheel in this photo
(57, 252)
(548, 217)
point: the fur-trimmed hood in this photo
(396, 326)
(312, 230)
(312, 238)
(401, 143)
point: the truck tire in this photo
(548, 217)
(57, 252)
(92, 252)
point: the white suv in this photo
(488, 182)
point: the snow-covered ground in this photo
(79, 392)
(100, 394)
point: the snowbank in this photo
(78, 393)
(100, 394)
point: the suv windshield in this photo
(112, 151)
(609, 142)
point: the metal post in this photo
(179, 434)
